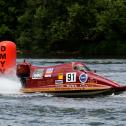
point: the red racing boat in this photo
(72, 79)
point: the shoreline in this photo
(66, 56)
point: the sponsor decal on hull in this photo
(49, 72)
(83, 78)
(60, 76)
(58, 81)
(38, 74)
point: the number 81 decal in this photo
(71, 77)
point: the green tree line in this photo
(65, 27)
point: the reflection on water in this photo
(44, 110)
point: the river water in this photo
(18, 109)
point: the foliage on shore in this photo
(58, 27)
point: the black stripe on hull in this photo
(91, 93)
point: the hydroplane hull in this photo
(66, 80)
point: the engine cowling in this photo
(23, 70)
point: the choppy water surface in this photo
(17, 109)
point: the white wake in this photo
(9, 85)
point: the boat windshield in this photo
(81, 67)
